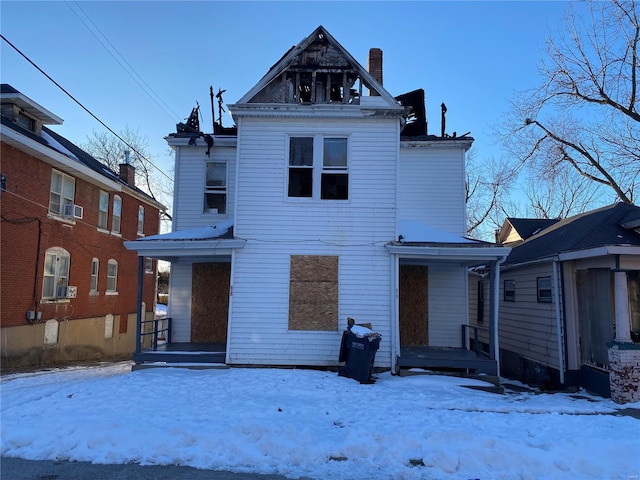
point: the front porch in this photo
(446, 359)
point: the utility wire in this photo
(85, 108)
(158, 100)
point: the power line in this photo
(142, 157)
(147, 89)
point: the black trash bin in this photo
(358, 353)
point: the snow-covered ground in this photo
(315, 424)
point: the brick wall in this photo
(24, 207)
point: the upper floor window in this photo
(112, 276)
(62, 192)
(56, 273)
(93, 287)
(26, 122)
(318, 168)
(117, 214)
(215, 189)
(103, 210)
(140, 220)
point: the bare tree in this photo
(111, 151)
(561, 195)
(487, 186)
(584, 116)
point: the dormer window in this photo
(26, 122)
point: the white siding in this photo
(188, 209)
(276, 227)
(431, 187)
(180, 301)
(447, 304)
(526, 326)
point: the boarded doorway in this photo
(210, 301)
(413, 306)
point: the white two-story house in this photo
(329, 201)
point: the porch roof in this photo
(210, 240)
(421, 242)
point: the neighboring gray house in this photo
(570, 297)
(326, 203)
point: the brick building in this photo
(68, 286)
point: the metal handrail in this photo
(476, 338)
(156, 330)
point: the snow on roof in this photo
(201, 233)
(53, 143)
(411, 231)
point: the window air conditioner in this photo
(61, 291)
(75, 211)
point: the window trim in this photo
(509, 294)
(216, 189)
(318, 169)
(64, 200)
(55, 297)
(114, 290)
(545, 299)
(93, 285)
(140, 221)
(116, 214)
(103, 227)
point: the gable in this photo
(317, 71)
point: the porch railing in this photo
(156, 331)
(476, 338)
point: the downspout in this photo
(494, 313)
(560, 336)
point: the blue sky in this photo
(473, 56)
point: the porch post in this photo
(492, 301)
(139, 309)
(621, 298)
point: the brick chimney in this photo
(375, 66)
(128, 171)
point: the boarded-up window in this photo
(313, 293)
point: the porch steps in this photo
(493, 381)
(190, 366)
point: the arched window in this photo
(140, 220)
(112, 276)
(56, 273)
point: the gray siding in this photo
(526, 326)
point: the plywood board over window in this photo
(313, 293)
